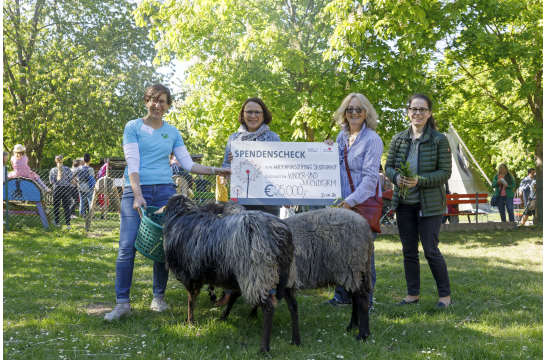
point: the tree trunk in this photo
(308, 132)
(538, 217)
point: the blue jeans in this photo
(341, 294)
(155, 195)
(84, 198)
(506, 202)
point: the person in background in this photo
(6, 154)
(525, 185)
(19, 163)
(221, 189)
(84, 188)
(504, 183)
(362, 147)
(453, 210)
(531, 206)
(74, 188)
(385, 183)
(61, 178)
(419, 214)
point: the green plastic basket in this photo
(149, 240)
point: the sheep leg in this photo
(292, 306)
(363, 315)
(192, 296)
(354, 322)
(234, 296)
(253, 313)
(268, 313)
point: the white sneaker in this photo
(56, 223)
(68, 227)
(119, 311)
(159, 305)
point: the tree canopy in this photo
(74, 74)
(281, 52)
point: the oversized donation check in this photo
(284, 173)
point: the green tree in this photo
(73, 75)
(280, 51)
(493, 71)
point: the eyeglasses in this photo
(416, 111)
(163, 103)
(351, 110)
(253, 113)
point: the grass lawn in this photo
(55, 284)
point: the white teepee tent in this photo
(467, 176)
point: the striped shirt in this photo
(363, 161)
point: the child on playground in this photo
(19, 162)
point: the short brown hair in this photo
(267, 115)
(156, 90)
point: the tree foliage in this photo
(282, 52)
(74, 73)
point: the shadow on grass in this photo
(497, 306)
(489, 238)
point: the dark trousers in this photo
(64, 194)
(413, 227)
(506, 202)
(74, 199)
(341, 294)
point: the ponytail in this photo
(58, 160)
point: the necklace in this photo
(353, 137)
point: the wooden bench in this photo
(474, 199)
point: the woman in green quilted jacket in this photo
(420, 212)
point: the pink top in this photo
(21, 168)
(503, 186)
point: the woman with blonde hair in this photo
(61, 178)
(361, 146)
(504, 183)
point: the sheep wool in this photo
(332, 246)
(250, 252)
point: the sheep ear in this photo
(161, 210)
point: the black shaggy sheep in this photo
(332, 246)
(246, 252)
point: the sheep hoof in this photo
(360, 337)
(292, 342)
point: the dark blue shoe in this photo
(403, 302)
(334, 302)
(442, 304)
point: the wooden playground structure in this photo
(106, 188)
(19, 191)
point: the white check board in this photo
(285, 173)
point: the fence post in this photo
(6, 196)
(106, 189)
